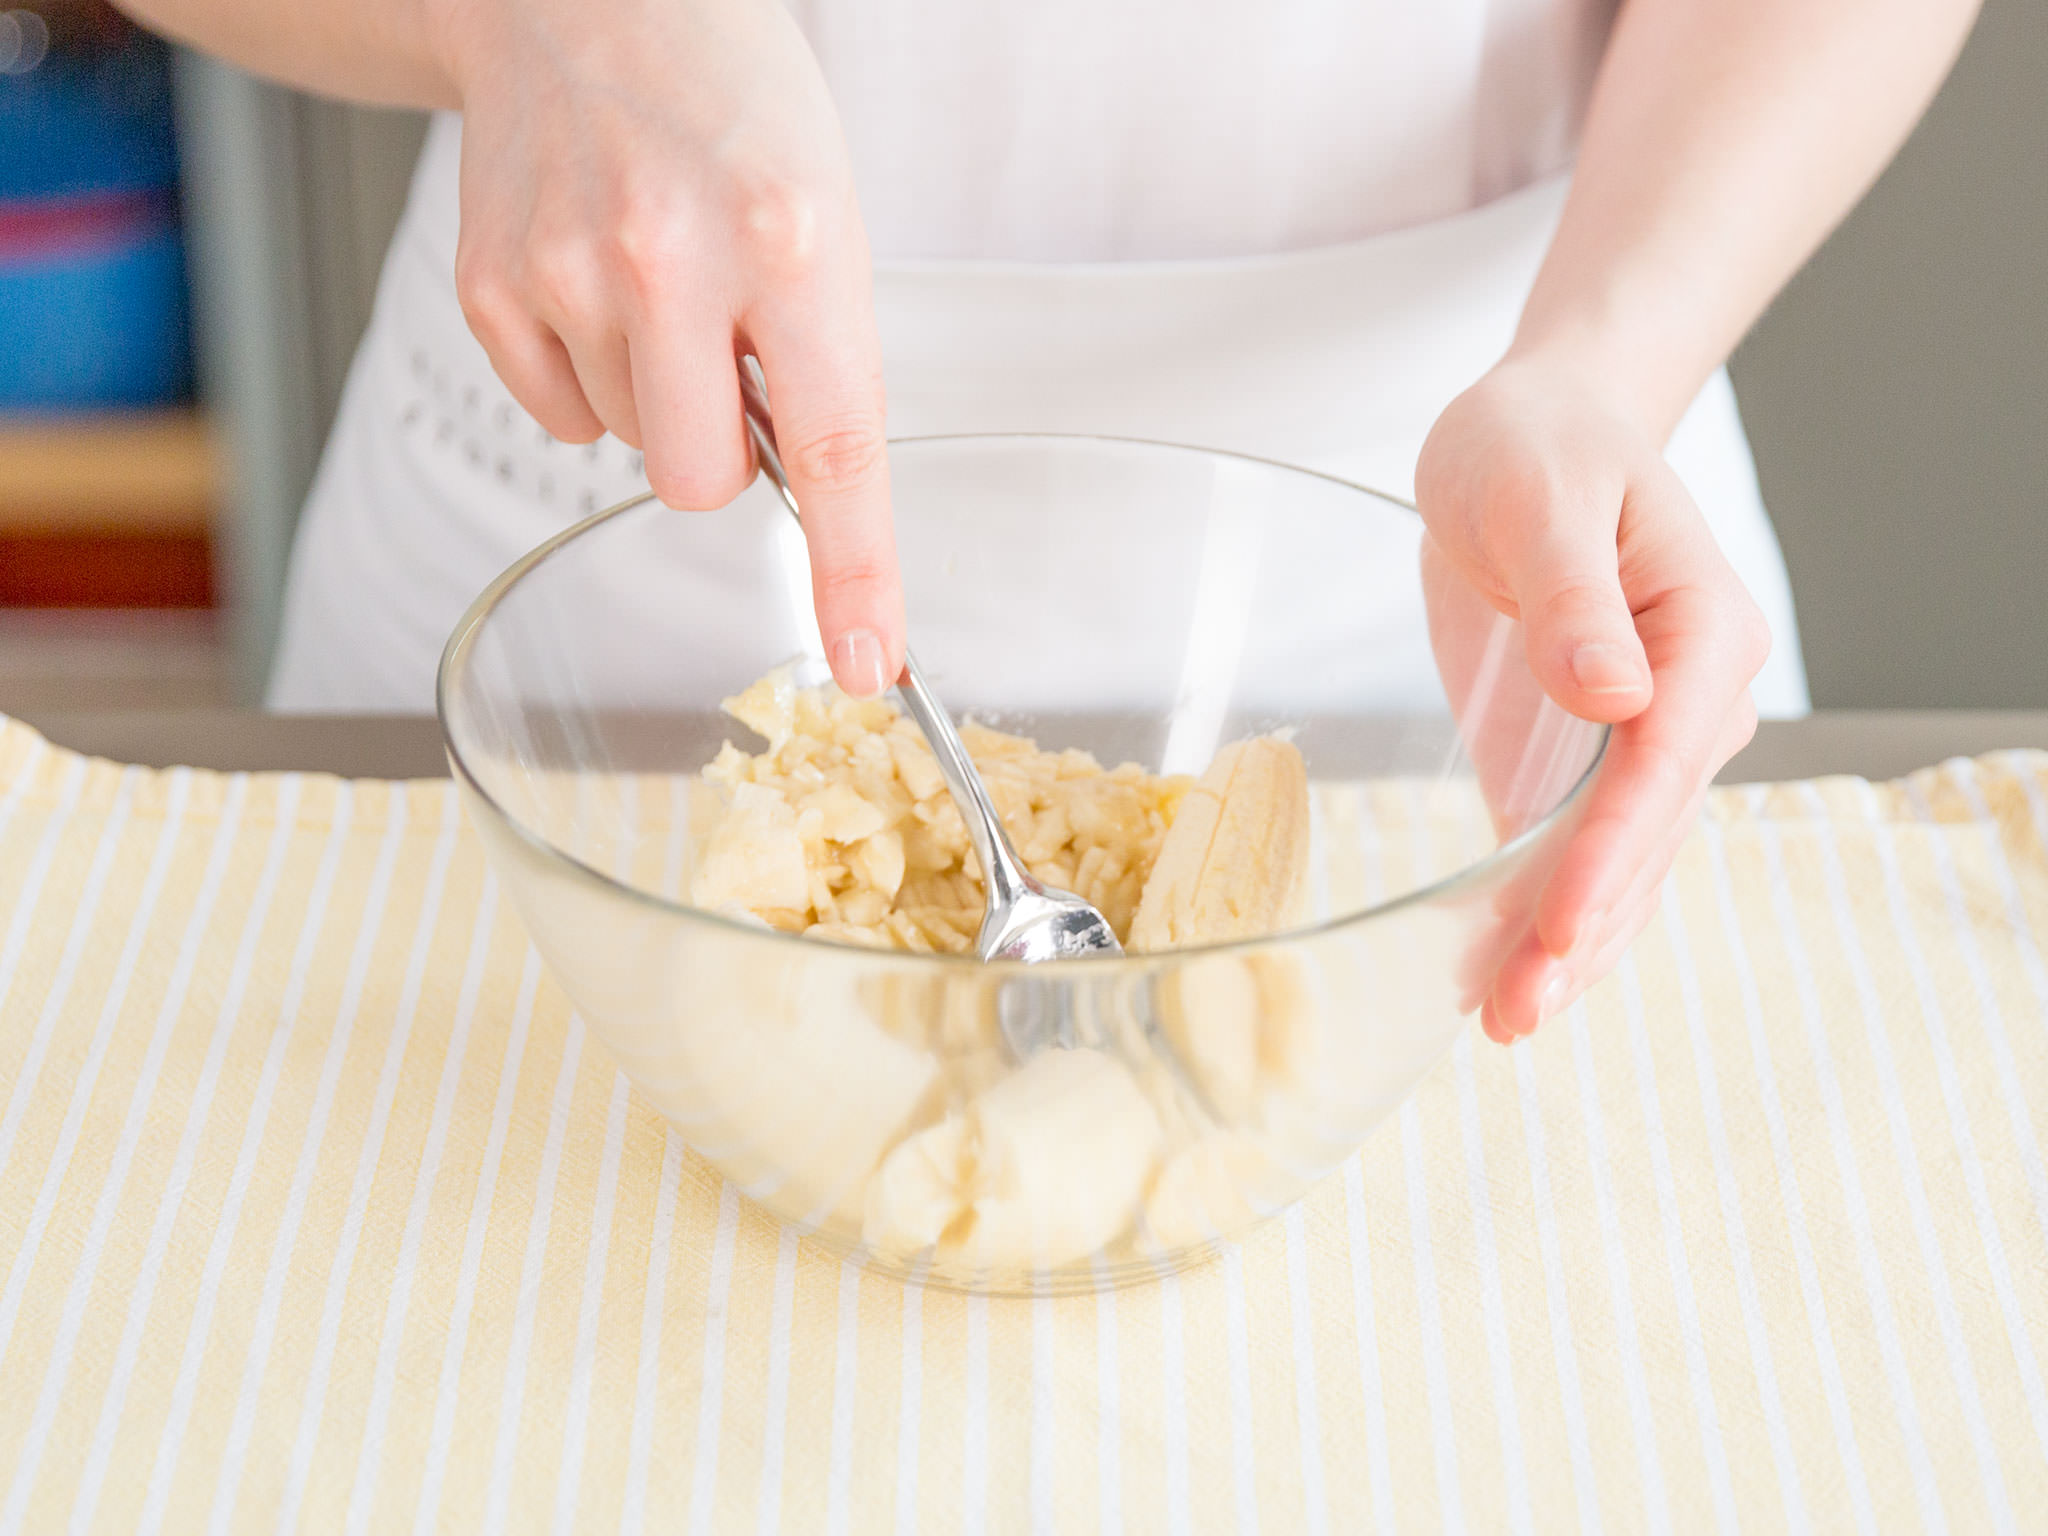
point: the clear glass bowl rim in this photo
(455, 657)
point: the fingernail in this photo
(1601, 668)
(860, 664)
(1555, 991)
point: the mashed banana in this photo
(841, 828)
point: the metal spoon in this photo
(1026, 919)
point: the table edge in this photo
(1874, 743)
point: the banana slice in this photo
(1234, 864)
(1042, 1169)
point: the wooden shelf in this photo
(151, 474)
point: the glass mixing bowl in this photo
(1145, 602)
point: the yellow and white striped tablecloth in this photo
(319, 1210)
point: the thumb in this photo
(1581, 637)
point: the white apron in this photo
(1338, 359)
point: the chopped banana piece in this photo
(843, 816)
(1042, 1169)
(918, 1194)
(768, 708)
(914, 763)
(1210, 1012)
(1209, 1189)
(803, 1104)
(877, 860)
(1243, 1027)
(754, 856)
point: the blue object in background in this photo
(89, 121)
(96, 327)
(93, 309)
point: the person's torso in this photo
(1122, 130)
(1293, 230)
(1112, 130)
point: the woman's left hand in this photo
(1560, 510)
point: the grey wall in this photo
(1897, 399)
(289, 204)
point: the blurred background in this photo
(187, 256)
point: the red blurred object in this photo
(102, 221)
(106, 570)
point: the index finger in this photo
(825, 383)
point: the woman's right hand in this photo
(649, 188)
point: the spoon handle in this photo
(1002, 869)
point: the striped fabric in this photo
(319, 1210)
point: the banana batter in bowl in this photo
(841, 829)
(759, 895)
